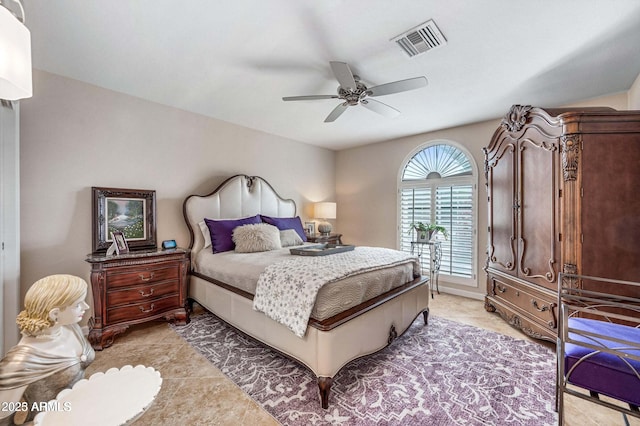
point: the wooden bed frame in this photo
(328, 345)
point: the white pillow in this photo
(290, 237)
(205, 233)
(256, 237)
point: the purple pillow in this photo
(221, 231)
(283, 223)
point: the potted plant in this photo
(427, 232)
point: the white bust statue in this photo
(52, 354)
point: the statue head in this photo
(47, 296)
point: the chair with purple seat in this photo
(599, 343)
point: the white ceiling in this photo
(235, 60)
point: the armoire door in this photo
(537, 210)
(501, 179)
(610, 210)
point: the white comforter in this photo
(240, 270)
(287, 290)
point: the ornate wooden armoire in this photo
(562, 188)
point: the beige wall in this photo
(367, 183)
(75, 136)
(634, 94)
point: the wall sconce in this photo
(15, 54)
(324, 211)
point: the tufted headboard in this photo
(237, 197)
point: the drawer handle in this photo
(146, 295)
(149, 278)
(146, 310)
(500, 288)
(540, 309)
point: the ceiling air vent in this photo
(421, 39)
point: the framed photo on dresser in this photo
(310, 228)
(120, 241)
(130, 213)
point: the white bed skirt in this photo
(323, 352)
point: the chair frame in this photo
(573, 300)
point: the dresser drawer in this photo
(539, 306)
(126, 277)
(142, 293)
(142, 310)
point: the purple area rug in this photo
(445, 373)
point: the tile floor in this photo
(194, 392)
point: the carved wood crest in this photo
(516, 118)
(250, 181)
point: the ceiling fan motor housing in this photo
(353, 97)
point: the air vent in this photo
(421, 39)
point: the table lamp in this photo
(324, 211)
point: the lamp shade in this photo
(324, 210)
(15, 58)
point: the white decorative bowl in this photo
(117, 397)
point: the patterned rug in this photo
(445, 373)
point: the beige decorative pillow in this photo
(256, 237)
(290, 237)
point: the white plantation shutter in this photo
(454, 211)
(438, 186)
(415, 206)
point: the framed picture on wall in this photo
(131, 212)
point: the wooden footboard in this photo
(330, 344)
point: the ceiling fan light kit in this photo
(353, 92)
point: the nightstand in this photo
(134, 288)
(331, 238)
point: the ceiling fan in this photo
(353, 92)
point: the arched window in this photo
(438, 184)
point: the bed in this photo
(333, 336)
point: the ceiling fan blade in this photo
(398, 86)
(344, 75)
(309, 98)
(337, 112)
(380, 108)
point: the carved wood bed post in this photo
(324, 384)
